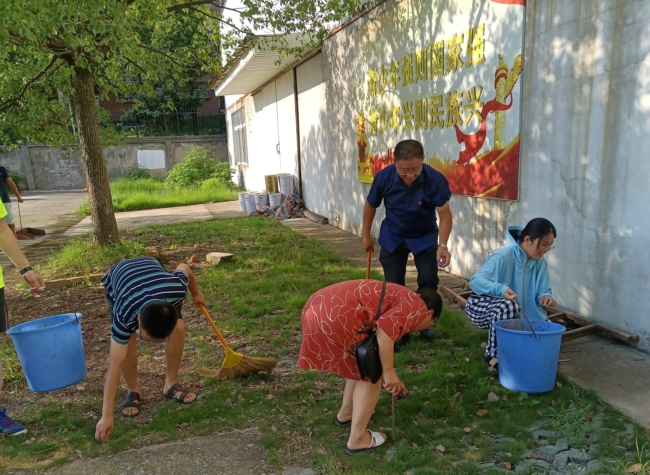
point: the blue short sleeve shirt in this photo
(410, 210)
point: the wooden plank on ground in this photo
(579, 332)
(72, 280)
(454, 297)
(619, 334)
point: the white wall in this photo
(585, 136)
(585, 130)
(314, 145)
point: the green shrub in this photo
(136, 173)
(196, 168)
(211, 183)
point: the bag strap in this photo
(381, 301)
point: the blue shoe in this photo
(8, 426)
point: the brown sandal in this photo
(132, 401)
(176, 388)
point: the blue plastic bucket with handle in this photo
(528, 364)
(51, 351)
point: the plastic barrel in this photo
(528, 364)
(51, 351)
(275, 200)
(261, 200)
(285, 182)
(242, 201)
(250, 202)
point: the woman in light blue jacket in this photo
(514, 278)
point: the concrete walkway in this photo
(232, 453)
(177, 214)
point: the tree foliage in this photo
(55, 52)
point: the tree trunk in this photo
(99, 191)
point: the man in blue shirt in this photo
(412, 193)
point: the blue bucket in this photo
(528, 364)
(51, 351)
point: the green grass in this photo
(149, 193)
(80, 257)
(257, 298)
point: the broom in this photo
(234, 364)
(368, 264)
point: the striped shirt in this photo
(132, 284)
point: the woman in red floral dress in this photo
(331, 320)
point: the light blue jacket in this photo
(509, 267)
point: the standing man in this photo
(412, 193)
(10, 247)
(5, 180)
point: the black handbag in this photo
(367, 350)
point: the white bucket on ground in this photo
(242, 201)
(250, 202)
(275, 199)
(285, 182)
(261, 200)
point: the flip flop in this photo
(176, 388)
(375, 437)
(342, 423)
(132, 401)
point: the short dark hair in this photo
(432, 300)
(408, 149)
(158, 319)
(537, 228)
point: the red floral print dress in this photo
(333, 316)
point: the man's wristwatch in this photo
(25, 270)
(443, 245)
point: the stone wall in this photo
(45, 168)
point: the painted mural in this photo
(454, 85)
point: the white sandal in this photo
(375, 438)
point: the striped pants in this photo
(483, 311)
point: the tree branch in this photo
(14, 101)
(218, 19)
(135, 64)
(182, 6)
(167, 55)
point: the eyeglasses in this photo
(409, 172)
(546, 247)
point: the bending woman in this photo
(331, 320)
(515, 277)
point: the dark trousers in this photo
(426, 262)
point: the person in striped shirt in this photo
(142, 295)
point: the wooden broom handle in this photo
(368, 264)
(214, 326)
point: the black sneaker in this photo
(428, 334)
(402, 341)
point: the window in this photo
(201, 90)
(239, 136)
(151, 159)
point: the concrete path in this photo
(52, 211)
(177, 214)
(232, 453)
(617, 372)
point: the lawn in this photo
(149, 193)
(456, 419)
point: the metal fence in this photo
(130, 123)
